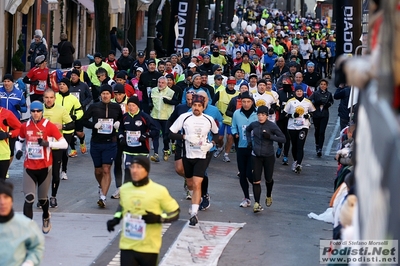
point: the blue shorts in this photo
(222, 128)
(103, 153)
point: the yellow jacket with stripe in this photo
(72, 105)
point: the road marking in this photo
(117, 259)
(332, 138)
(201, 245)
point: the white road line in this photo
(332, 138)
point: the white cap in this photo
(191, 64)
(139, 69)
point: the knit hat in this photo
(298, 87)
(262, 81)
(66, 81)
(262, 110)
(143, 161)
(151, 61)
(198, 99)
(9, 77)
(98, 55)
(40, 59)
(135, 100)
(76, 72)
(186, 50)
(77, 63)
(119, 88)
(170, 76)
(215, 67)
(36, 105)
(310, 64)
(6, 188)
(106, 87)
(121, 75)
(189, 73)
(195, 76)
(111, 52)
(246, 95)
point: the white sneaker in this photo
(294, 164)
(115, 195)
(46, 227)
(218, 152)
(245, 203)
(226, 158)
(64, 176)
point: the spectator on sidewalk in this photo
(114, 41)
(66, 52)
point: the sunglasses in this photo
(99, 76)
(219, 69)
(36, 111)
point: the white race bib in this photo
(42, 85)
(299, 121)
(107, 125)
(134, 227)
(132, 138)
(35, 151)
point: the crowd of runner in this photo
(243, 92)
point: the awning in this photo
(25, 5)
(88, 4)
(12, 5)
(116, 6)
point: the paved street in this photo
(279, 235)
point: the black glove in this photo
(18, 107)
(266, 135)
(166, 101)
(249, 145)
(43, 143)
(73, 117)
(34, 82)
(271, 111)
(4, 135)
(295, 115)
(289, 116)
(19, 154)
(306, 116)
(112, 223)
(143, 137)
(151, 218)
(122, 141)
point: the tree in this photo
(102, 23)
(151, 25)
(130, 24)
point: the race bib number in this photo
(41, 86)
(244, 132)
(35, 151)
(106, 125)
(76, 94)
(299, 121)
(134, 227)
(132, 138)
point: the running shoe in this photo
(83, 148)
(245, 203)
(173, 147)
(188, 195)
(268, 201)
(294, 164)
(166, 155)
(115, 195)
(226, 158)
(319, 153)
(257, 207)
(298, 169)
(285, 160)
(64, 176)
(53, 202)
(205, 203)
(102, 203)
(278, 152)
(73, 154)
(193, 220)
(155, 158)
(218, 152)
(46, 227)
